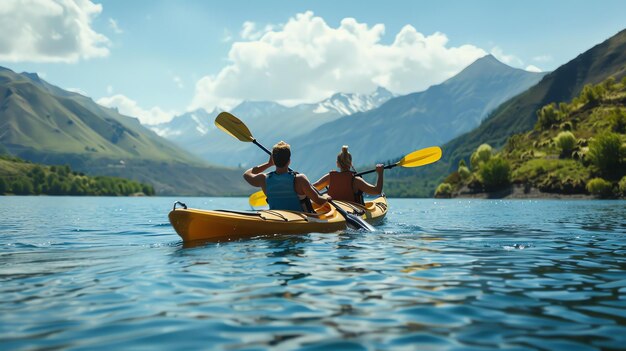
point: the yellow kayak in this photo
(193, 224)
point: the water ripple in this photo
(95, 273)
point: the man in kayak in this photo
(345, 185)
(285, 189)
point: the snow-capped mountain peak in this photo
(198, 122)
(201, 126)
(347, 104)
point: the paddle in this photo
(416, 158)
(237, 129)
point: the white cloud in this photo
(50, 31)
(109, 89)
(178, 81)
(249, 31)
(129, 107)
(114, 26)
(306, 60)
(533, 68)
(510, 60)
(542, 58)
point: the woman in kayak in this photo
(345, 185)
(285, 189)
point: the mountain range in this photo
(43, 123)
(413, 121)
(485, 103)
(269, 121)
(519, 114)
(377, 126)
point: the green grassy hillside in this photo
(517, 115)
(578, 147)
(35, 119)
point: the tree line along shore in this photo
(20, 177)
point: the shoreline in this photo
(519, 192)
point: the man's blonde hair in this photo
(281, 154)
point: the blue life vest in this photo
(281, 192)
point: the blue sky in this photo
(158, 58)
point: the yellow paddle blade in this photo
(233, 126)
(258, 199)
(421, 157)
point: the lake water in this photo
(110, 273)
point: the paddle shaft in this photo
(263, 148)
(374, 170)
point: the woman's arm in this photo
(368, 188)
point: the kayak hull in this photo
(195, 224)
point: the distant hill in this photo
(43, 123)
(269, 121)
(519, 113)
(417, 120)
